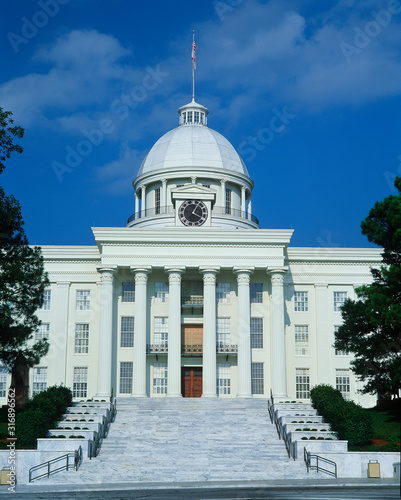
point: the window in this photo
(228, 201)
(302, 340)
(127, 331)
(223, 331)
(256, 293)
(257, 333)
(196, 114)
(128, 294)
(83, 300)
(337, 352)
(339, 299)
(80, 382)
(160, 336)
(342, 383)
(3, 381)
(302, 383)
(257, 378)
(39, 381)
(47, 295)
(160, 378)
(301, 301)
(223, 383)
(189, 116)
(184, 117)
(223, 293)
(126, 369)
(157, 200)
(82, 338)
(42, 332)
(161, 292)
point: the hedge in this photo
(41, 414)
(349, 420)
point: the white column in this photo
(143, 202)
(244, 333)
(164, 193)
(209, 331)
(58, 345)
(174, 331)
(140, 328)
(223, 193)
(105, 332)
(243, 202)
(323, 347)
(278, 351)
(136, 206)
(250, 206)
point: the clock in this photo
(192, 213)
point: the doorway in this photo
(191, 382)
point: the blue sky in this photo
(330, 71)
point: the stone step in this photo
(168, 439)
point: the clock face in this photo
(192, 213)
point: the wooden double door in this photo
(191, 382)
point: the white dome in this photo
(193, 146)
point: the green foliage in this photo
(371, 327)
(7, 135)
(41, 414)
(349, 420)
(22, 276)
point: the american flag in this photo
(193, 54)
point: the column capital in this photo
(209, 270)
(164, 181)
(63, 284)
(277, 271)
(107, 273)
(174, 269)
(223, 181)
(243, 270)
(193, 179)
(141, 273)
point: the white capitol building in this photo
(192, 298)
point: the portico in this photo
(198, 303)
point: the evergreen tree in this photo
(22, 276)
(372, 324)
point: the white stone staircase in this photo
(180, 440)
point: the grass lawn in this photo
(387, 431)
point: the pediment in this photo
(195, 191)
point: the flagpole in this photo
(193, 65)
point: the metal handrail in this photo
(191, 348)
(156, 348)
(308, 462)
(226, 348)
(77, 455)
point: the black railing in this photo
(308, 462)
(226, 349)
(169, 210)
(192, 300)
(77, 459)
(156, 348)
(192, 349)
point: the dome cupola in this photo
(192, 169)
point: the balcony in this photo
(190, 349)
(226, 349)
(156, 349)
(192, 301)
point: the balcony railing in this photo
(169, 210)
(192, 300)
(156, 348)
(226, 349)
(191, 349)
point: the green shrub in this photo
(41, 414)
(350, 420)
